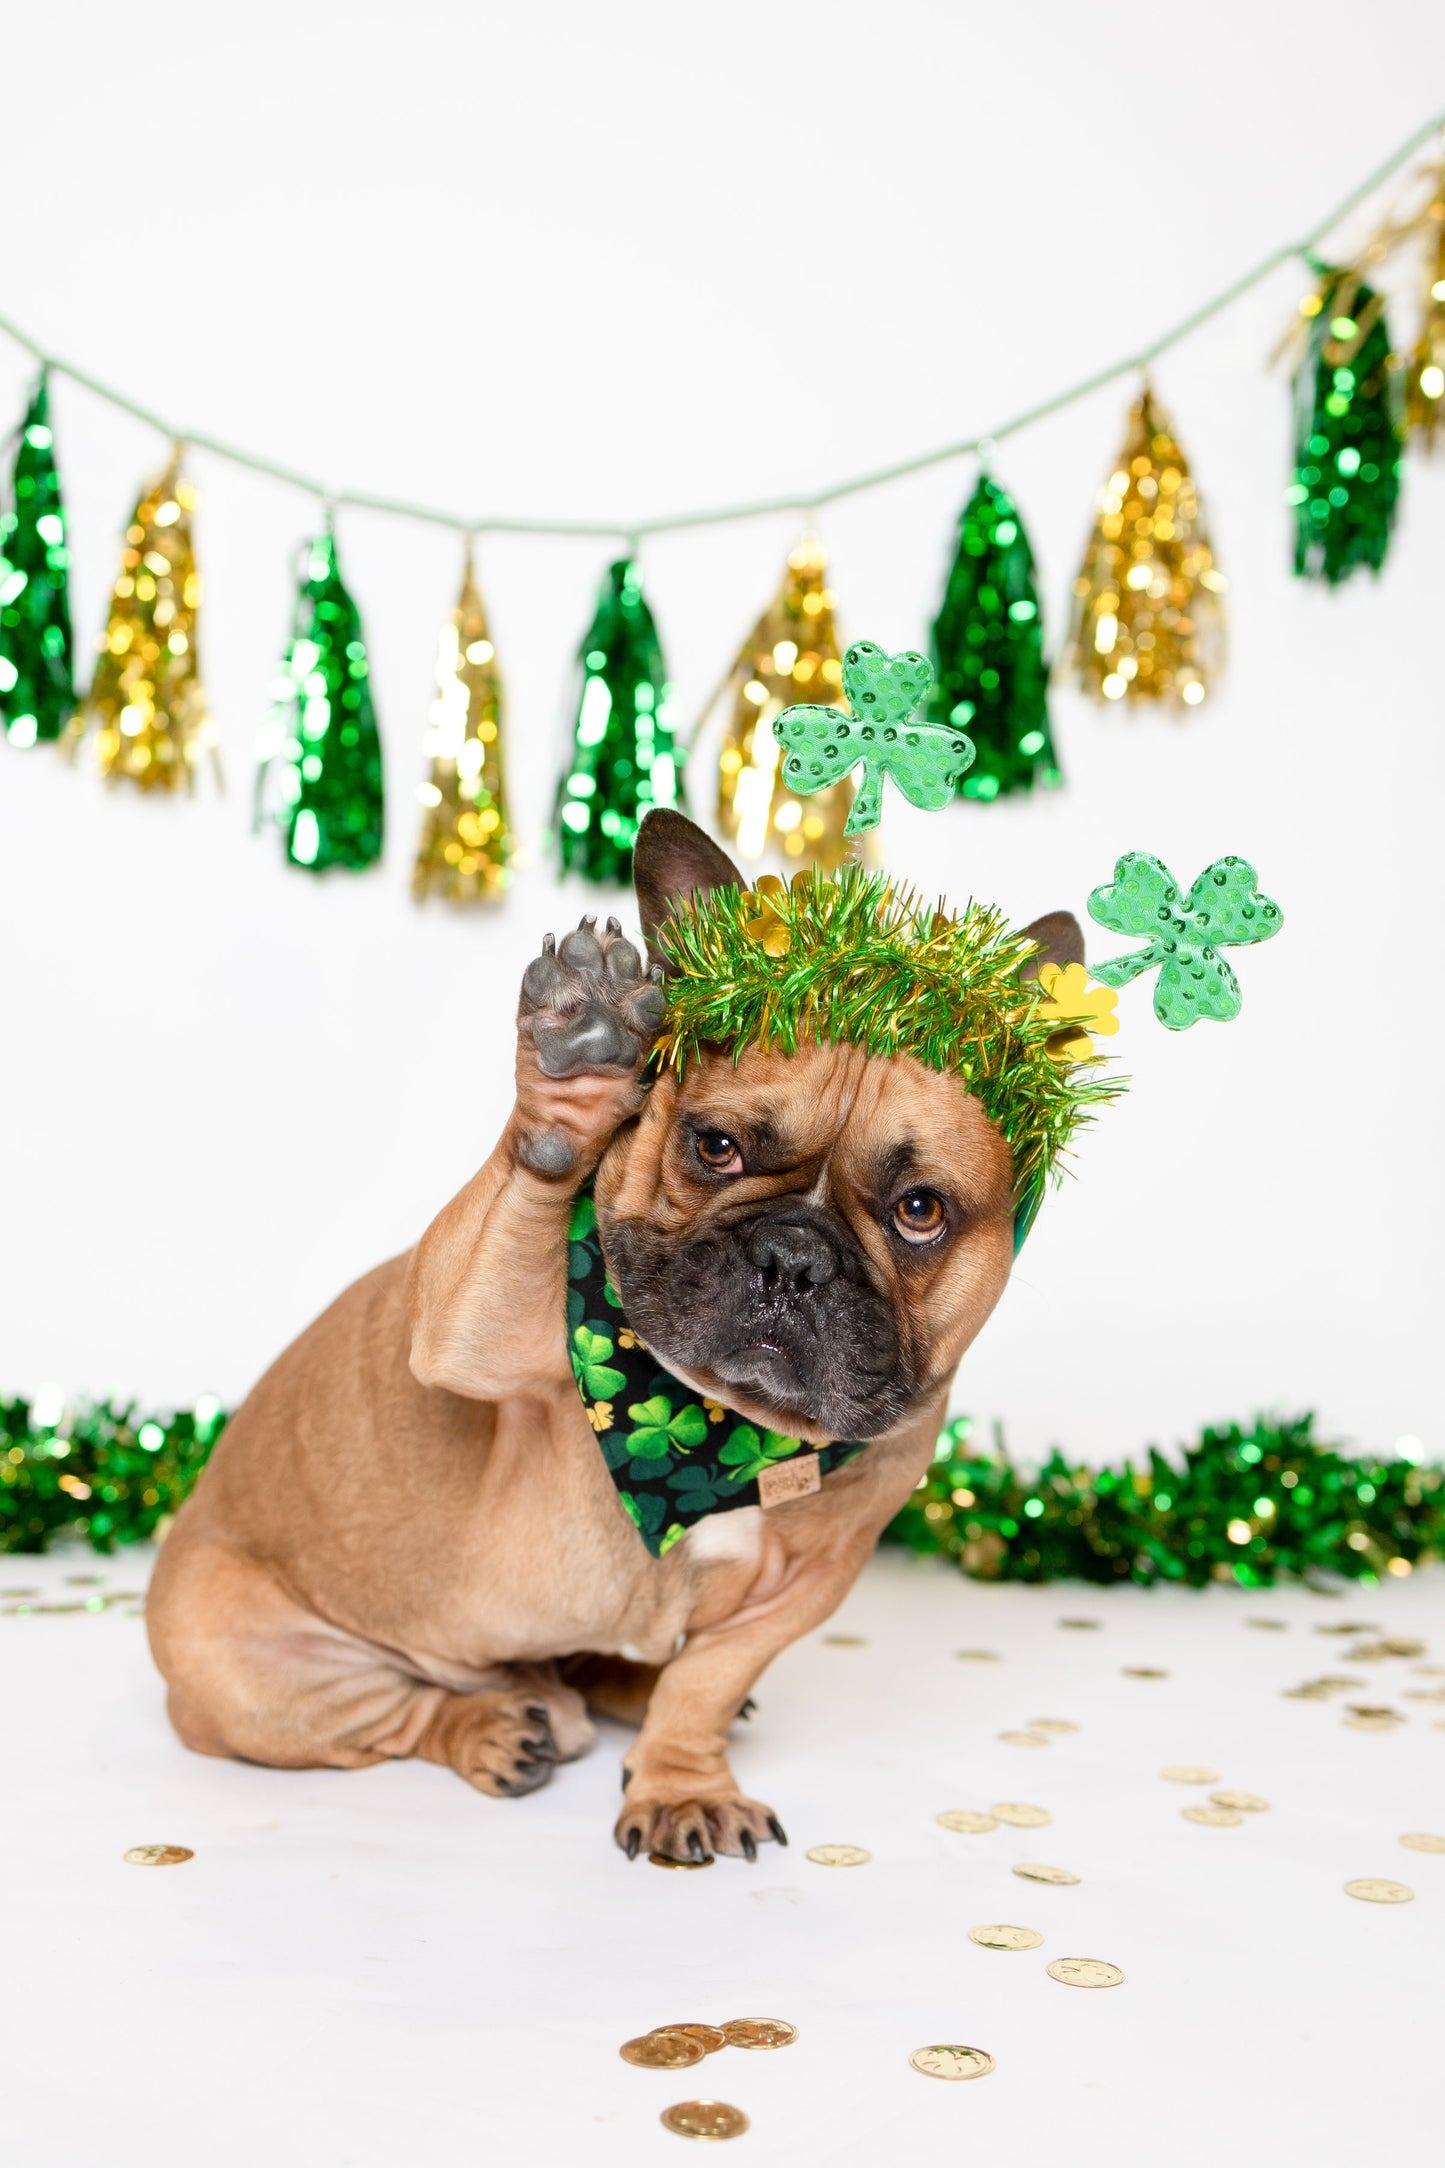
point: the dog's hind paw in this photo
(694, 1829)
(588, 1005)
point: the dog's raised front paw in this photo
(587, 1006)
(694, 1829)
(585, 1025)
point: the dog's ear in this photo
(1060, 938)
(674, 858)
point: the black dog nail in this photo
(750, 1850)
(777, 1829)
(748, 1707)
(614, 925)
(626, 1778)
(549, 944)
(634, 1843)
(694, 1844)
(537, 1710)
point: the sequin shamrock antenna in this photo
(881, 731)
(1224, 909)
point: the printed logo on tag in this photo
(794, 1478)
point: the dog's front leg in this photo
(485, 1290)
(682, 1798)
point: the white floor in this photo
(384, 1968)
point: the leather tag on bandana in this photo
(794, 1478)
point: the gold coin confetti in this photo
(1427, 1671)
(839, 1855)
(1081, 1625)
(1005, 1938)
(1373, 1720)
(709, 2037)
(1401, 1645)
(977, 1656)
(158, 1855)
(1242, 1802)
(1057, 1877)
(1020, 1816)
(952, 2062)
(1050, 1723)
(1024, 1738)
(1189, 1773)
(759, 2032)
(662, 1859)
(1084, 1972)
(1268, 1625)
(1378, 1890)
(662, 2050)
(1143, 1671)
(845, 1641)
(966, 1822)
(1347, 1627)
(1420, 1840)
(1213, 1817)
(705, 2119)
(1425, 1693)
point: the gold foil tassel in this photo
(466, 845)
(790, 655)
(1148, 623)
(1425, 383)
(146, 694)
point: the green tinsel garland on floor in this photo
(1245, 1506)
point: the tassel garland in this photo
(146, 694)
(1148, 623)
(37, 693)
(465, 840)
(990, 677)
(320, 777)
(624, 760)
(1347, 432)
(790, 655)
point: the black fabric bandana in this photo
(673, 1456)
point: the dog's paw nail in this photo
(614, 925)
(549, 944)
(748, 1708)
(657, 975)
(626, 1778)
(695, 1844)
(588, 919)
(750, 1850)
(777, 1829)
(634, 1843)
(537, 1711)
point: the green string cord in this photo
(632, 531)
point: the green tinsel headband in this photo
(854, 960)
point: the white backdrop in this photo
(574, 263)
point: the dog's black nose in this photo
(792, 1253)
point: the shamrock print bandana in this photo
(674, 1457)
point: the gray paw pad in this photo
(586, 1005)
(548, 1152)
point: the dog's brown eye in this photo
(919, 1216)
(718, 1152)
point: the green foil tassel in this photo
(1242, 1505)
(988, 651)
(37, 693)
(1348, 432)
(624, 760)
(320, 777)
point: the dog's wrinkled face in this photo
(812, 1239)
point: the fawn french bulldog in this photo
(408, 1541)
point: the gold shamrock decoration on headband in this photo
(769, 928)
(1080, 1008)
